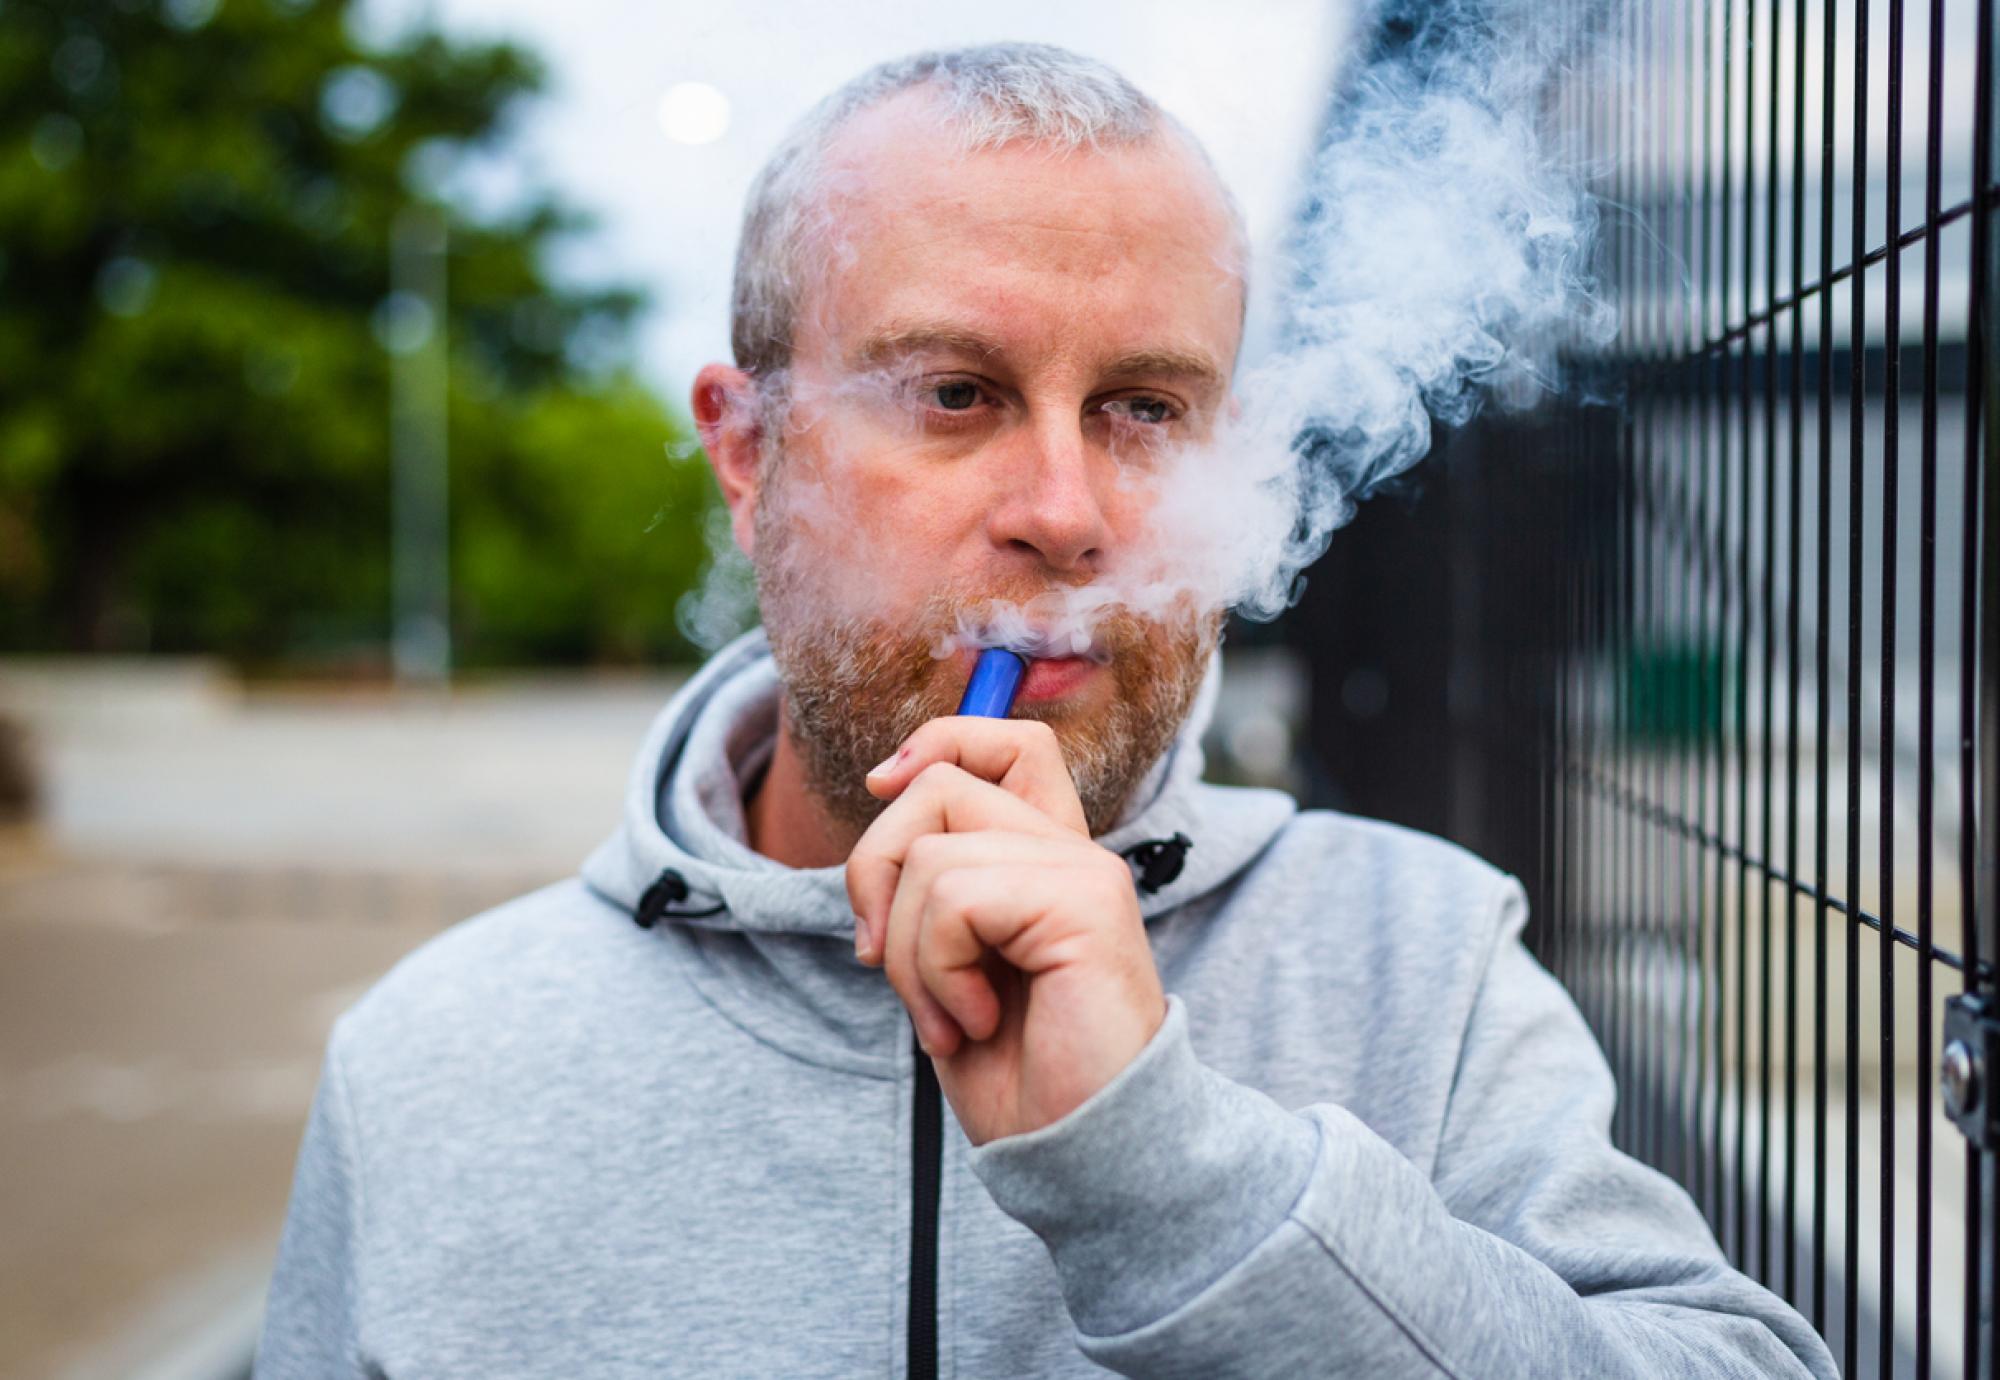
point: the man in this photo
(880, 1041)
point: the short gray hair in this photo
(993, 95)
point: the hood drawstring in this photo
(669, 889)
(1156, 862)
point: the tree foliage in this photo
(195, 212)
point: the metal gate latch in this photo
(1971, 1046)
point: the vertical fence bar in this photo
(1793, 568)
(1714, 367)
(1649, 609)
(1613, 745)
(1822, 659)
(1746, 1222)
(1856, 423)
(1980, 670)
(1630, 895)
(1927, 669)
(1599, 543)
(1631, 613)
(1563, 663)
(1658, 550)
(1694, 991)
(1632, 608)
(1738, 1242)
(1767, 690)
(1886, 736)
(1694, 1008)
(1675, 253)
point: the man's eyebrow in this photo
(1193, 365)
(897, 341)
(894, 342)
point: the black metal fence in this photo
(1700, 658)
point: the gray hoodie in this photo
(1369, 1140)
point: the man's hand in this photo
(1013, 939)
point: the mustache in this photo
(1041, 621)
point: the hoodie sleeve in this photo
(310, 1315)
(1200, 1229)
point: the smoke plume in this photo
(1443, 259)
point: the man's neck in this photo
(786, 821)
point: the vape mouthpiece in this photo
(996, 679)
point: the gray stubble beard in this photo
(855, 689)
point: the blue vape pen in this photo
(996, 679)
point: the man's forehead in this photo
(902, 154)
(935, 248)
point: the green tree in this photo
(195, 212)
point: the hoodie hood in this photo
(683, 835)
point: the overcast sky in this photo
(1249, 80)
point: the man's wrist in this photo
(1156, 1185)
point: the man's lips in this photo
(1048, 678)
(1054, 677)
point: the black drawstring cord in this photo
(668, 889)
(1158, 861)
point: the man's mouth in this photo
(1048, 678)
(1055, 677)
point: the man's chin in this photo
(850, 702)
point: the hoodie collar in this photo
(683, 813)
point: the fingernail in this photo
(891, 760)
(861, 939)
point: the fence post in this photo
(1972, 1021)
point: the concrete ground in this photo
(214, 878)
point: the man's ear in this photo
(731, 426)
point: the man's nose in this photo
(1050, 503)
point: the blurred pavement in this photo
(216, 875)
(173, 761)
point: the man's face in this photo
(981, 387)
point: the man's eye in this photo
(956, 396)
(1151, 411)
